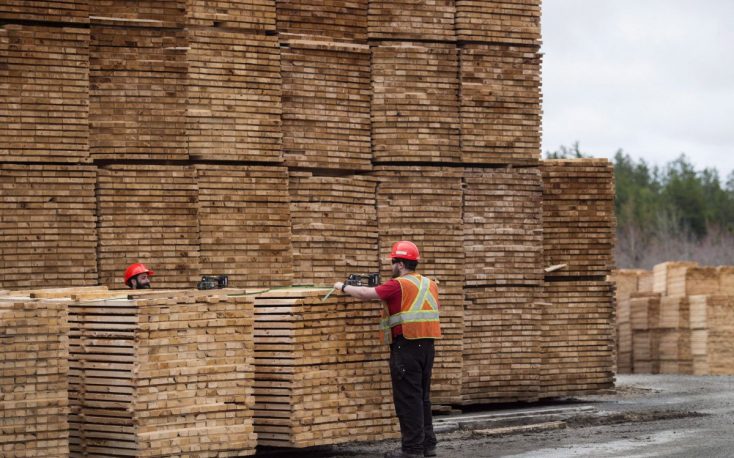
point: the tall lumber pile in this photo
(162, 376)
(34, 367)
(320, 372)
(683, 327)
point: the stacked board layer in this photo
(166, 376)
(48, 223)
(148, 214)
(45, 93)
(508, 21)
(68, 11)
(429, 216)
(244, 224)
(333, 227)
(412, 20)
(321, 372)
(34, 378)
(324, 19)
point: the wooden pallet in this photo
(45, 93)
(34, 378)
(326, 19)
(233, 110)
(244, 224)
(503, 232)
(162, 376)
(415, 108)
(502, 345)
(148, 214)
(411, 20)
(333, 227)
(507, 21)
(321, 373)
(500, 104)
(326, 104)
(578, 216)
(48, 226)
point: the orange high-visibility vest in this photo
(418, 316)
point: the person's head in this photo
(137, 276)
(404, 256)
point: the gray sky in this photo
(653, 77)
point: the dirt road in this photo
(647, 416)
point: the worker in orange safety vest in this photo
(410, 324)
(137, 276)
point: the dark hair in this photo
(409, 264)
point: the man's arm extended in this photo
(364, 293)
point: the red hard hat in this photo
(135, 269)
(405, 250)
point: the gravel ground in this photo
(646, 416)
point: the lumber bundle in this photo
(626, 283)
(48, 225)
(233, 110)
(712, 334)
(254, 15)
(415, 107)
(148, 214)
(664, 272)
(67, 11)
(326, 104)
(45, 92)
(500, 104)
(34, 378)
(644, 323)
(170, 376)
(326, 19)
(502, 345)
(140, 13)
(506, 21)
(333, 226)
(675, 336)
(412, 20)
(244, 224)
(692, 280)
(429, 216)
(577, 342)
(503, 231)
(321, 373)
(137, 106)
(578, 216)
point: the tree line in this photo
(669, 212)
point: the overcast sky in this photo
(653, 77)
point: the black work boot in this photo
(402, 454)
(429, 451)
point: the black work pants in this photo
(411, 364)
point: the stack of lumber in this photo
(578, 216)
(68, 11)
(321, 372)
(712, 334)
(139, 13)
(326, 104)
(429, 215)
(500, 104)
(503, 231)
(166, 376)
(148, 214)
(501, 353)
(577, 343)
(44, 92)
(333, 227)
(233, 110)
(412, 20)
(244, 224)
(34, 378)
(326, 19)
(644, 320)
(415, 107)
(627, 282)
(48, 225)
(675, 336)
(664, 272)
(508, 21)
(137, 106)
(254, 15)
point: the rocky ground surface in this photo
(645, 416)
